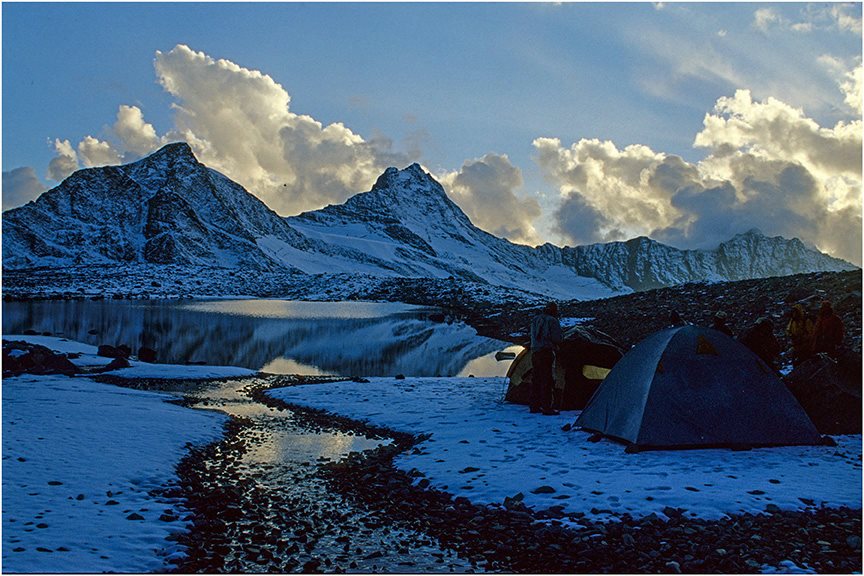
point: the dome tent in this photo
(584, 358)
(689, 387)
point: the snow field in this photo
(485, 450)
(80, 458)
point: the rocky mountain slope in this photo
(643, 264)
(169, 209)
(630, 318)
(407, 220)
(166, 208)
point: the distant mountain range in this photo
(168, 208)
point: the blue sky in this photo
(569, 123)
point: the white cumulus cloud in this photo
(764, 18)
(135, 134)
(485, 188)
(851, 86)
(64, 163)
(774, 130)
(605, 188)
(95, 152)
(238, 121)
(846, 18)
(768, 166)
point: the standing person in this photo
(800, 331)
(828, 333)
(761, 340)
(545, 337)
(720, 324)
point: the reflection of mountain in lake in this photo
(405, 343)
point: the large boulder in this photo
(117, 364)
(108, 351)
(830, 392)
(23, 357)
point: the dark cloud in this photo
(20, 186)
(579, 222)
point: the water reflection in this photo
(343, 338)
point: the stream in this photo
(271, 511)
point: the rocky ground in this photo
(151, 281)
(631, 317)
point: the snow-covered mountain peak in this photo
(751, 232)
(168, 208)
(411, 185)
(169, 156)
(411, 178)
(409, 197)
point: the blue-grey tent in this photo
(689, 387)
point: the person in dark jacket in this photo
(761, 340)
(545, 338)
(675, 320)
(828, 333)
(720, 324)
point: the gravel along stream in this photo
(260, 504)
(292, 489)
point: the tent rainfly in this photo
(695, 387)
(583, 359)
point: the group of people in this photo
(808, 337)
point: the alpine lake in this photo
(273, 336)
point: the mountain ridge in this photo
(168, 208)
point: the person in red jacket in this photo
(828, 333)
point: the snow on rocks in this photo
(485, 450)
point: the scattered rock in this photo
(543, 490)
